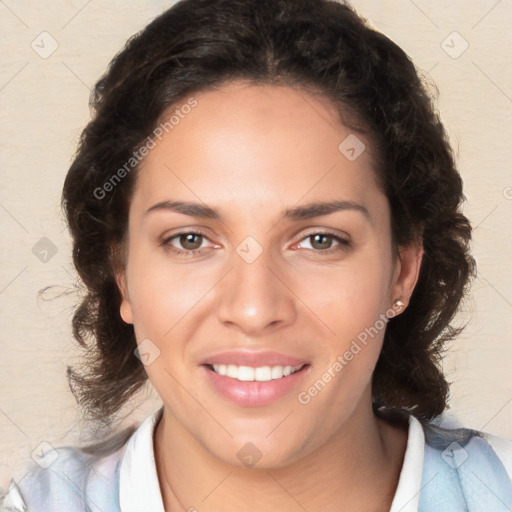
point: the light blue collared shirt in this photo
(444, 469)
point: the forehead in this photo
(258, 145)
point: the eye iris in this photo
(189, 239)
(322, 245)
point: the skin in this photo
(251, 152)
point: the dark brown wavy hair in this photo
(319, 46)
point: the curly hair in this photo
(323, 47)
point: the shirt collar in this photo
(407, 494)
(139, 488)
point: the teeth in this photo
(263, 374)
(232, 371)
(260, 374)
(244, 373)
(277, 372)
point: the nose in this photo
(255, 298)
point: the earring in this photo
(398, 304)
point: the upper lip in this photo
(253, 359)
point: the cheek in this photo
(355, 301)
(161, 296)
(349, 303)
(349, 299)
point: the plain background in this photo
(462, 47)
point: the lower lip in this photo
(253, 393)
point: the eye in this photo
(190, 241)
(323, 242)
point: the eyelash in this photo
(187, 252)
(343, 244)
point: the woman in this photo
(265, 212)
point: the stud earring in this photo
(399, 304)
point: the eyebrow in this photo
(309, 211)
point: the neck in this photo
(363, 459)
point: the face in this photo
(256, 248)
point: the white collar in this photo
(139, 488)
(407, 494)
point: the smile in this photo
(259, 374)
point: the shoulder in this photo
(503, 449)
(67, 479)
(453, 440)
(465, 467)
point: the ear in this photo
(125, 309)
(407, 271)
(118, 262)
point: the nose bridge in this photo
(252, 296)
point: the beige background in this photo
(44, 106)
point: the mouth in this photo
(254, 379)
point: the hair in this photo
(319, 46)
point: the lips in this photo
(254, 378)
(253, 359)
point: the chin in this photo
(258, 451)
